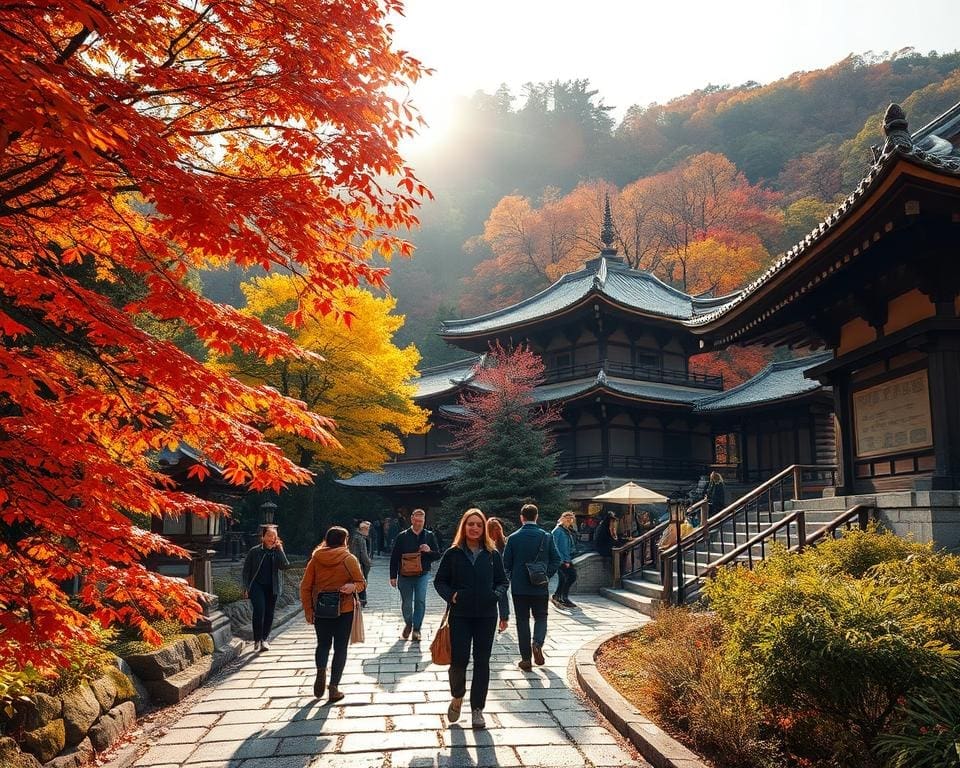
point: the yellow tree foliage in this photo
(718, 267)
(356, 372)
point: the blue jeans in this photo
(523, 606)
(413, 598)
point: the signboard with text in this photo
(893, 417)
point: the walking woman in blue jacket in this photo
(471, 579)
(564, 537)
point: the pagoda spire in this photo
(607, 233)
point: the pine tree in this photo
(508, 456)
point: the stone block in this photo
(36, 713)
(167, 661)
(80, 710)
(593, 573)
(46, 742)
(105, 692)
(80, 755)
(12, 757)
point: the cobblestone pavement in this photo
(263, 714)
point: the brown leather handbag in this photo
(441, 651)
(411, 564)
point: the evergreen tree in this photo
(508, 456)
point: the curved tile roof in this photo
(398, 474)
(445, 378)
(899, 145)
(549, 393)
(606, 275)
(777, 381)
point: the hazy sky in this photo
(637, 52)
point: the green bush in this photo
(839, 633)
(227, 590)
(927, 729)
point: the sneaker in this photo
(556, 601)
(537, 654)
(256, 646)
(415, 636)
(478, 721)
(570, 604)
(525, 665)
(264, 646)
(407, 628)
(453, 711)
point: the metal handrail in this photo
(862, 512)
(741, 507)
(636, 544)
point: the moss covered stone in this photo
(47, 742)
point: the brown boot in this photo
(320, 683)
(335, 694)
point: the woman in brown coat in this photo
(331, 569)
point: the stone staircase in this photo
(643, 590)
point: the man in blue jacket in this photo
(526, 545)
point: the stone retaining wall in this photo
(65, 731)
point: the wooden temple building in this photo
(868, 303)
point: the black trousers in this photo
(478, 632)
(523, 606)
(334, 632)
(363, 593)
(565, 579)
(263, 602)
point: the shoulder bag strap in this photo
(540, 548)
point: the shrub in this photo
(227, 590)
(725, 721)
(927, 729)
(812, 638)
(679, 645)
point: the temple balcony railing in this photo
(637, 372)
(633, 466)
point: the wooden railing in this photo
(637, 466)
(796, 522)
(729, 528)
(642, 552)
(861, 512)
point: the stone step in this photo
(176, 687)
(640, 603)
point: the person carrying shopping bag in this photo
(328, 592)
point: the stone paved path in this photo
(263, 714)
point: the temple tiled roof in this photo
(398, 474)
(778, 381)
(445, 378)
(607, 276)
(550, 393)
(939, 155)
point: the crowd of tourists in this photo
(479, 576)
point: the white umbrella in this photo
(631, 493)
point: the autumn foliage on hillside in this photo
(140, 142)
(701, 227)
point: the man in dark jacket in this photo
(526, 545)
(413, 587)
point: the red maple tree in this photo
(139, 143)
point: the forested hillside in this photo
(705, 189)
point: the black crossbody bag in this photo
(327, 604)
(537, 570)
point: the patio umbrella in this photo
(630, 494)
